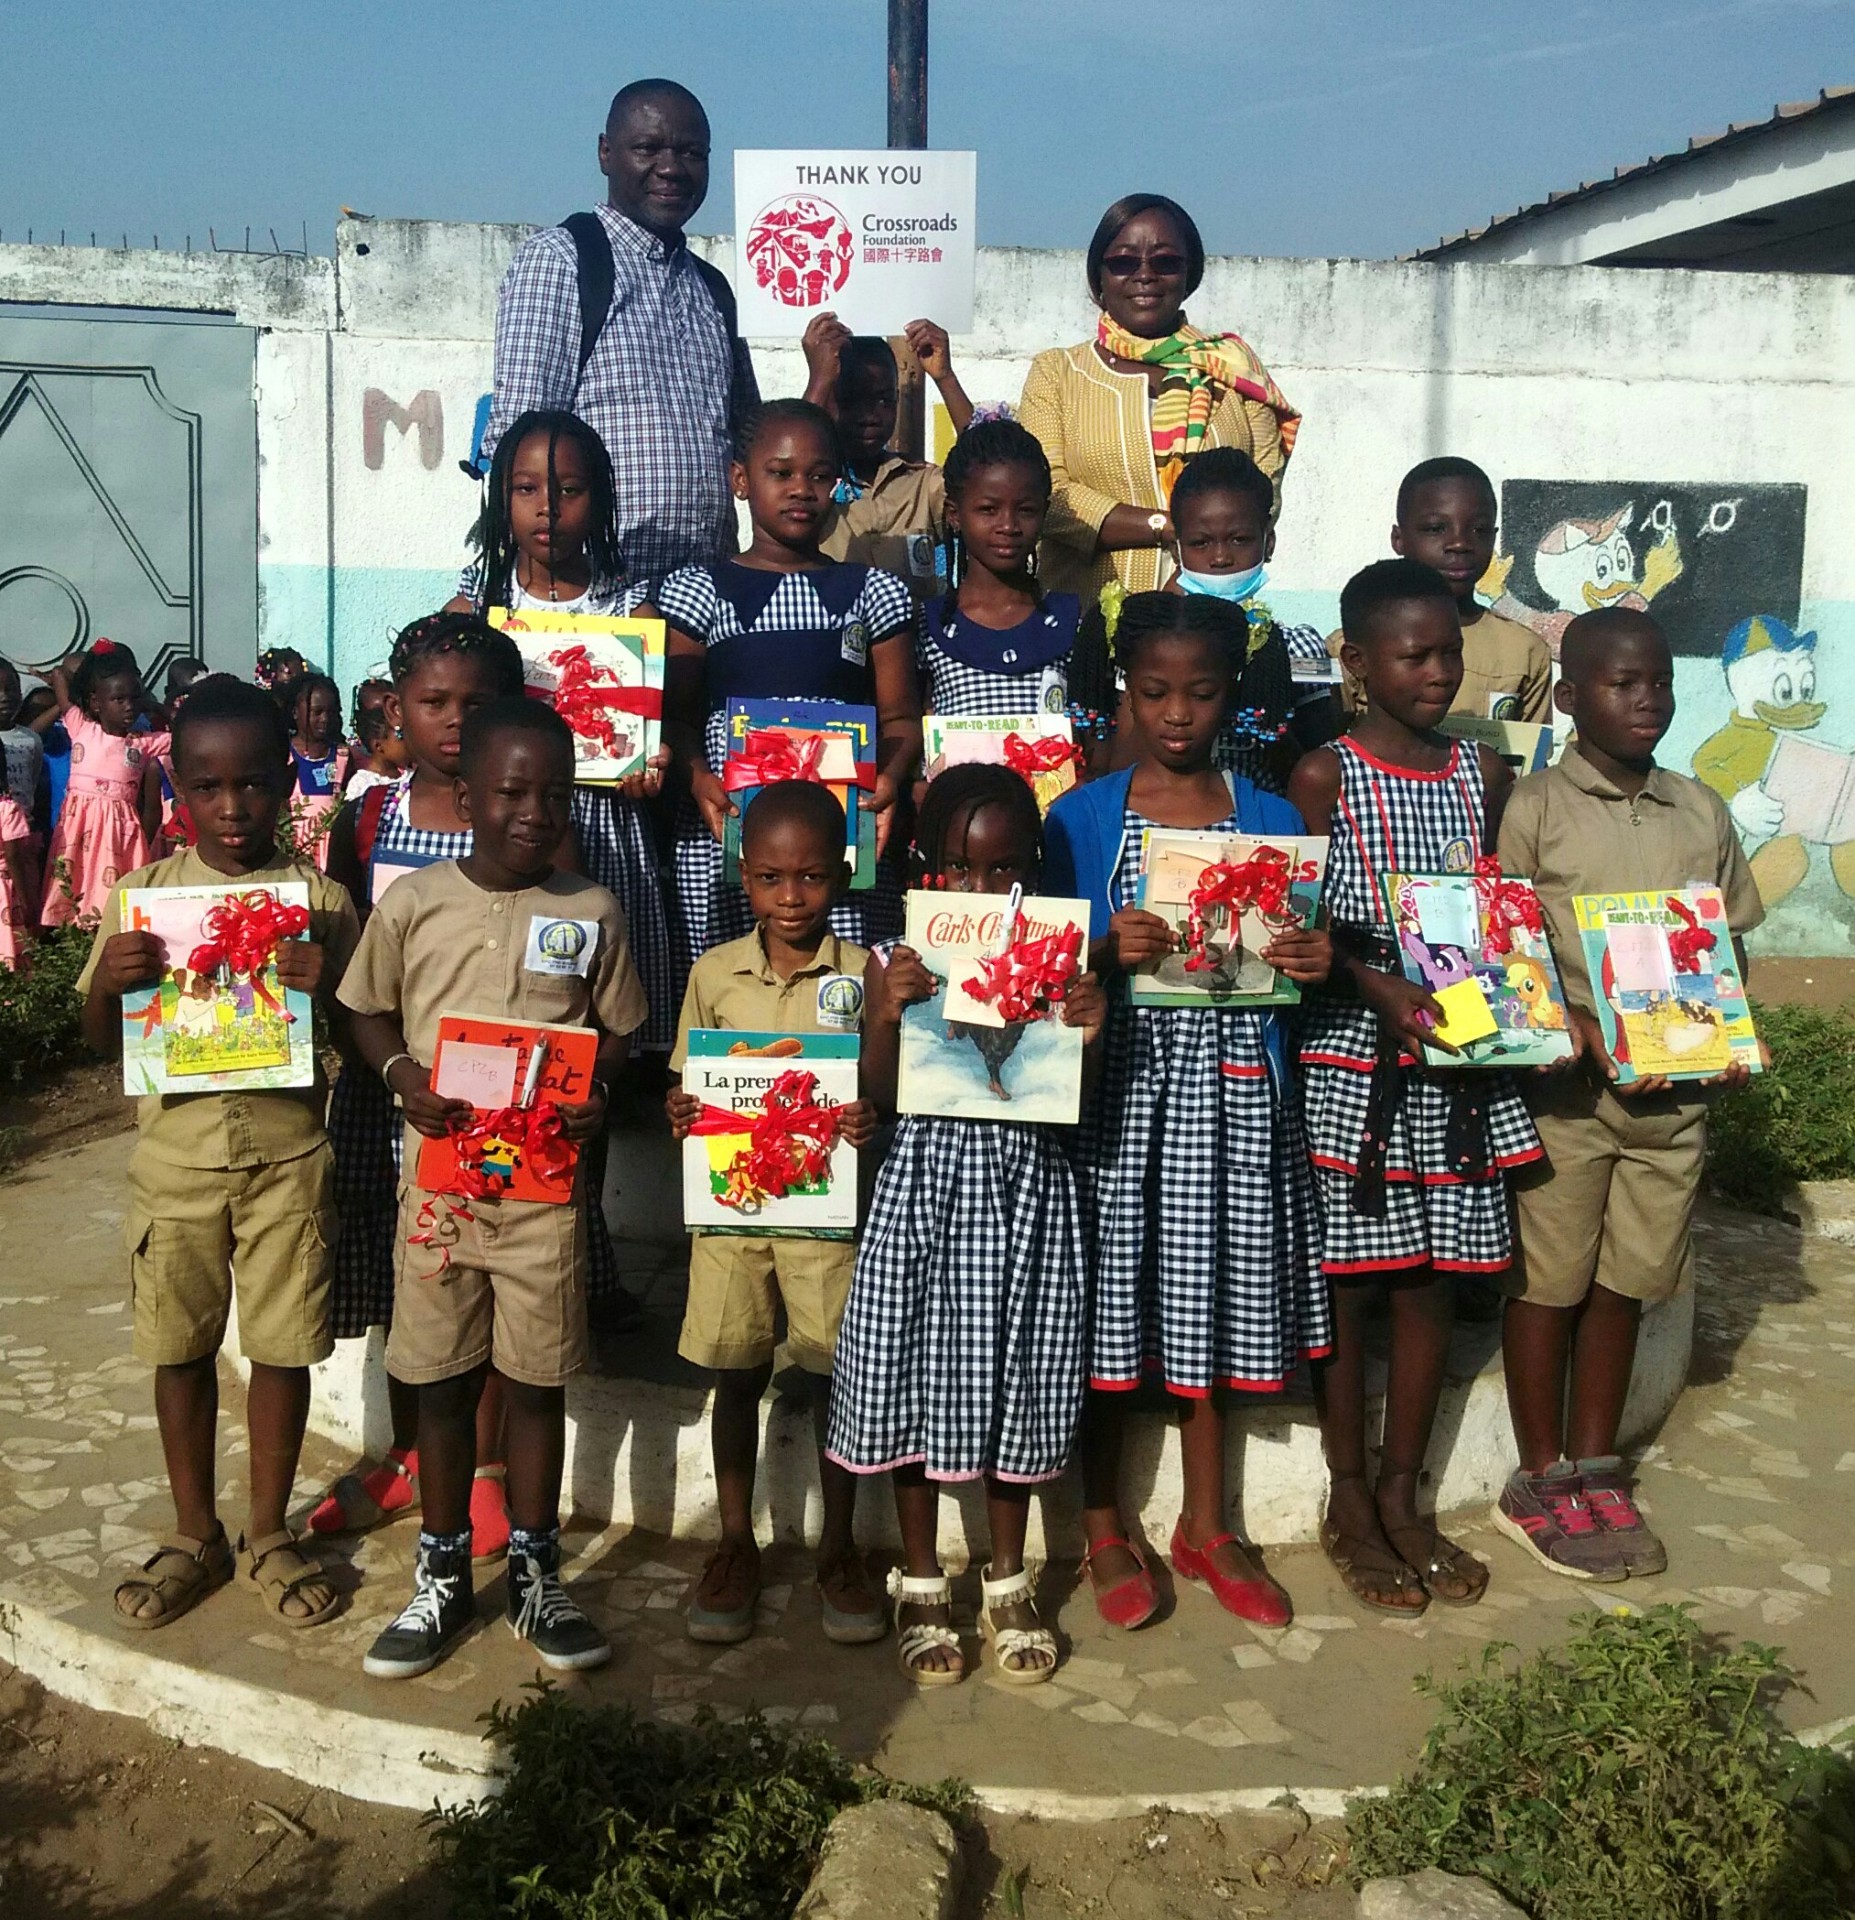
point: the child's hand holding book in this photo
(428, 1113)
(300, 965)
(1305, 954)
(128, 961)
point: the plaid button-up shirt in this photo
(663, 388)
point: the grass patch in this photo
(1794, 1122)
(40, 1011)
(609, 1817)
(1635, 1772)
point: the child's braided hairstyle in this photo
(968, 789)
(461, 633)
(106, 660)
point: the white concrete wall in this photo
(1563, 374)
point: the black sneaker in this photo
(540, 1612)
(440, 1610)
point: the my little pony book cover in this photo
(603, 675)
(1477, 943)
(1670, 997)
(824, 740)
(218, 1020)
(765, 1157)
(1226, 896)
(992, 1043)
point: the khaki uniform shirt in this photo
(734, 986)
(1568, 830)
(237, 1130)
(1506, 673)
(896, 525)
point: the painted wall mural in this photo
(380, 410)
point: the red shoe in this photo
(489, 1515)
(1260, 1600)
(1128, 1603)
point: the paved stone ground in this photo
(1745, 1481)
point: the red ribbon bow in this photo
(1030, 977)
(1690, 943)
(770, 754)
(586, 697)
(1262, 881)
(789, 1142)
(1505, 905)
(242, 933)
(537, 1135)
(1046, 754)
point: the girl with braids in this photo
(783, 622)
(1197, 1198)
(961, 1350)
(320, 757)
(547, 540)
(995, 642)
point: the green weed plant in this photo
(1796, 1121)
(1634, 1772)
(609, 1817)
(39, 1010)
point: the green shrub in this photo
(1635, 1772)
(1794, 1122)
(609, 1817)
(39, 1011)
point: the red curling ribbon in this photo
(1030, 977)
(789, 1142)
(770, 754)
(1690, 943)
(586, 698)
(1505, 905)
(538, 1137)
(436, 1227)
(242, 933)
(1262, 881)
(1046, 754)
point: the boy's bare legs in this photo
(448, 1449)
(1595, 1342)
(187, 1413)
(1603, 1358)
(276, 1412)
(842, 1577)
(537, 1437)
(732, 1576)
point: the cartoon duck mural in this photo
(1582, 565)
(1771, 676)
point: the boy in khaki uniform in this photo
(1604, 1233)
(1447, 518)
(792, 974)
(501, 932)
(228, 1190)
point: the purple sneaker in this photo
(1548, 1515)
(1607, 1492)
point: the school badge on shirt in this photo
(856, 644)
(840, 1003)
(561, 946)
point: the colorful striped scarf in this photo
(1199, 369)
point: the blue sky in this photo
(1299, 127)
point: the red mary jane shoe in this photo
(1260, 1600)
(1128, 1603)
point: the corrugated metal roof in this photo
(1782, 115)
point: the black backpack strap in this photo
(722, 294)
(597, 281)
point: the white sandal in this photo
(925, 1636)
(1014, 1642)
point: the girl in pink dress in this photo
(111, 813)
(16, 915)
(321, 758)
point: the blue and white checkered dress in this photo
(962, 1345)
(696, 601)
(1391, 820)
(1203, 1226)
(958, 687)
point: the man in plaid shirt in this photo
(667, 379)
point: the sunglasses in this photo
(1125, 265)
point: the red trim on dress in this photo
(1444, 772)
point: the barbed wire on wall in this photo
(37, 237)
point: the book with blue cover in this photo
(823, 740)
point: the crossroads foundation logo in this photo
(801, 248)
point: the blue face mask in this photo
(1224, 586)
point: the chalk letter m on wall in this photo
(378, 412)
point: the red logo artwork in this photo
(801, 248)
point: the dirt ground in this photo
(1823, 984)
(65, 1109)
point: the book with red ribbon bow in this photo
(1670, 997)
(1038, 746)
(1225, 896)
(1477, 943)
(992, 1044)
(218, 1020)
(822, 740)
(603, 674)
(765, 1157)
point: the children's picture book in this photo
(1477, 943)
(1040, 746)
(1669, 994)
(823, 740)
(1815, 785)
(603, 675)
(1226, 896)
(218, 1020)
(992, 1043)
(766, 1157)
(515, 1075)
(1525, 746)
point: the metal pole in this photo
(908, 58)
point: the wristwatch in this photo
(1157, 522)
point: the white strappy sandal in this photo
(912, 1642)
(1015, 1642)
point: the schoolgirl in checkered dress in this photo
(1448, 1138)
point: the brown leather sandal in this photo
(178, 1575)
(274, 1569)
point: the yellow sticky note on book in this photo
(1466, 1013)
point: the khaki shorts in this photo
(738, 1285)
(197, 1235)
(513, 1293)
(1615, 1199)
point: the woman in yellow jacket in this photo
(1119, 415)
